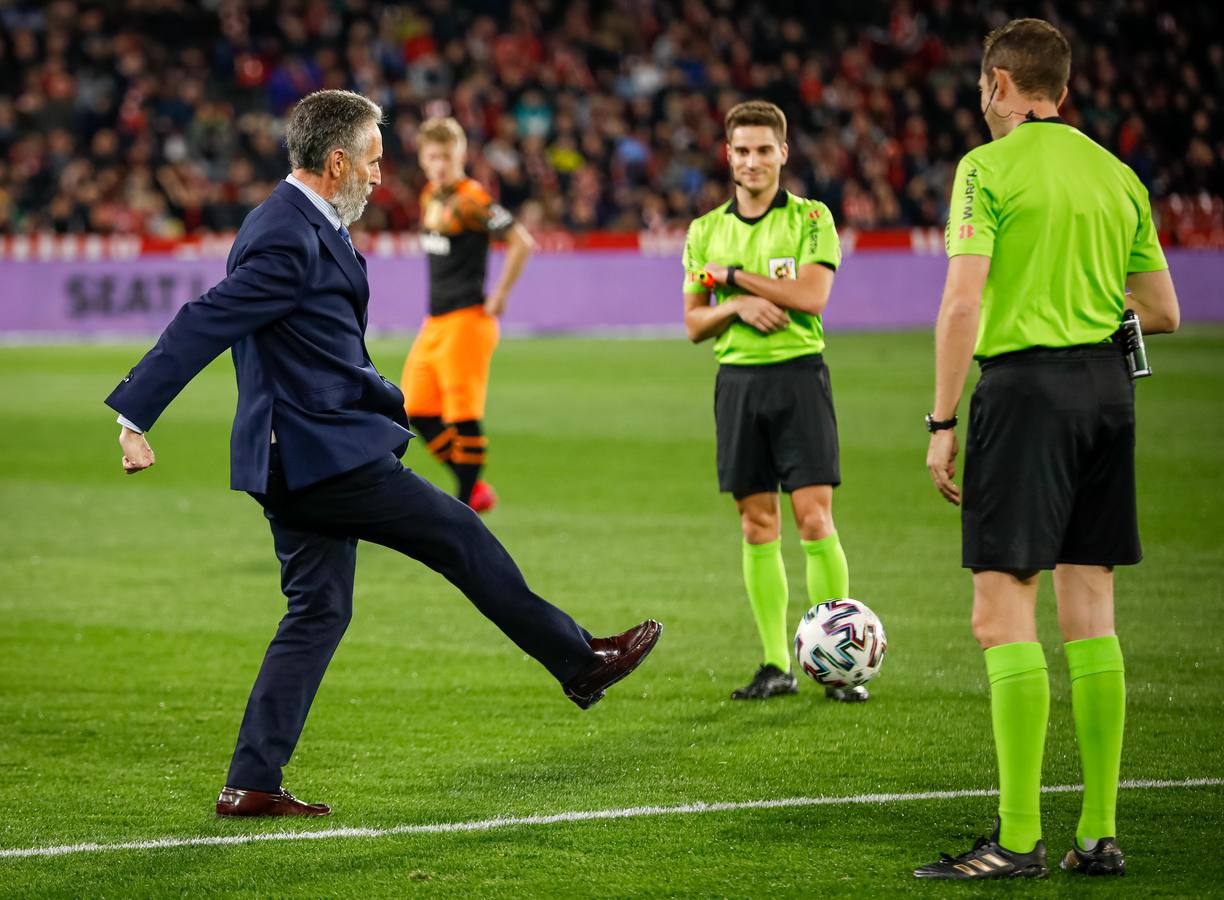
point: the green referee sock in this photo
(765, 579)
(828, 577)
(1019, 708)
(1098, 702)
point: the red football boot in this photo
(484, 498)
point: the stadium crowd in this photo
(164, 117)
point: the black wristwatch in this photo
(731, 270)
(934, 425)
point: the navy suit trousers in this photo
(315, 530)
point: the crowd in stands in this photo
(165, 117)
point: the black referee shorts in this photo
(1050, 462)
(775, 426)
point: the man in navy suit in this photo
(316, 441)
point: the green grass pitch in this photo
(134, 612)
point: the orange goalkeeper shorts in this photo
(447, 370)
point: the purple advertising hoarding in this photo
(558, 292)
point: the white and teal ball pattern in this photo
(840, 643)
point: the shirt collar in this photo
(1053, 120)
(778, 202)
(320, 204)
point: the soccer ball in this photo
(840, 643)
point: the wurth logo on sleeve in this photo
(970, 194)
(813, 234)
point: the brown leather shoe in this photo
(236, 802)
(617, 657)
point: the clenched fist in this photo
(137, 454)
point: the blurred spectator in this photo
(165, 116)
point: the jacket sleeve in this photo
(263, 287)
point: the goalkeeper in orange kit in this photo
(446, 375)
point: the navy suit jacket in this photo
(293, 308)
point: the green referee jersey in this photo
(793, 232)
(1063, 222)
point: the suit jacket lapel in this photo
(353, 270)
(347, 260)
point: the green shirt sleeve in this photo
(1146, 254)
(694, 260)
(972, 217)
(821, 245)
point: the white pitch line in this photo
(630, 812)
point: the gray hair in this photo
(324, 121)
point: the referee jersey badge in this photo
(782, 267)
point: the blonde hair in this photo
(441, 130)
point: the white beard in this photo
(350, 201)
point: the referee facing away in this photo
(1050, 239)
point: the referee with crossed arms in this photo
(1050, 240)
